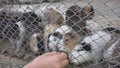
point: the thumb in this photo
(51, 53)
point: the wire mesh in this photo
(88, 31)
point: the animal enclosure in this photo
(88, 31)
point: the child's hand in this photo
(49, 60)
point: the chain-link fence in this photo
(88, 31)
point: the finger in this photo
(51, 53)
(64, 63)
(63, 56)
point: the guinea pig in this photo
(76, 18)
(36, 43)
(92, 48)
(32, 23)
(15, 33)
(33, 26)
(7, 18)
(17, 26)
(62, 39)
(88, 12)
(54, 20)
(53, 16)
(11, 28)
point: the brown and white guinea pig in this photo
(32, 23)
(88, 12)
(15, 33)
(96, 46)
(76, 18)
(34, 28)
(16, 29)
(62, 39)
(7, 18)
(53, 16)
(36, 43)
(54, 20)
(11, 28)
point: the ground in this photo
(7, 62)
(9, 56)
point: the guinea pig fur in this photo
(88, 12)
(7, 18)
(54, 19)
(92, 47)
(15, 33)
(63, 38)
(111, 52)
(53, 16)
(115, 34)
(36, 43)
(76, 18)
(33, 24)
(11, 28)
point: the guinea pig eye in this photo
(79, 50)
(70, 13)
(67, 40)
(83, 43)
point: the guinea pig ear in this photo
(75, 8)
(71, 10)
(89, 10)
(112, 30)
(48, 11)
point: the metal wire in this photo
(87, 30)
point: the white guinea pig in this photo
(92, 47)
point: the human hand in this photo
(49, 60)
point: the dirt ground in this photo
(9, 58)
(7, 62)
